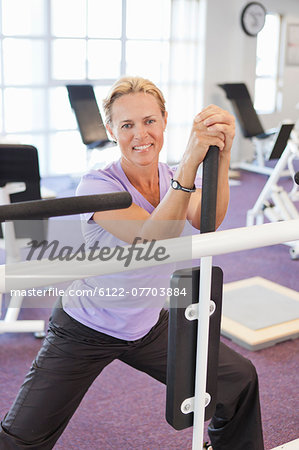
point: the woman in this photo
(87, 333)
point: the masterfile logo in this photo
(38, 250)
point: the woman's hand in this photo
(212, 126)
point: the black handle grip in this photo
(209, 190)
(42, 209)
(296, 178)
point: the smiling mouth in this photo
(142, 148)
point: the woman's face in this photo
(138, 126)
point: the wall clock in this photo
(253, 18)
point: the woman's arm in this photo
(168, 218)
(216, 119)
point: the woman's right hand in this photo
(202, 136)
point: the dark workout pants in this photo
(73, 355)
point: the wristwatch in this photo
(178, 187)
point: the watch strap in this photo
(178, 187)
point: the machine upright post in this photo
(208, 219)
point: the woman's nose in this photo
(140, 132)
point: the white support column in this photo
(202, 351)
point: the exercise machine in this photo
(194, 327)
(274, 203)
(90, 123)
(89, 119)
(204, 246)
(252, 129)
(19, 182)
(37, 210)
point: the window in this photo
(46, 44)
(267, 75)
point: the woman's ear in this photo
(165, 117)
(109, 129)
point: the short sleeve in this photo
(97, 182)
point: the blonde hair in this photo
(131, 85)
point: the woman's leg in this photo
(149, 354)
(236, 424)
(70, 359)
(237, 420)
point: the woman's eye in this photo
(150, 121)
(126, 125)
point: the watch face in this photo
(175, 184)
(253, 18)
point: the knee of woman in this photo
(248, 373)
(9, 441)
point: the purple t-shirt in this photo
(125, 314)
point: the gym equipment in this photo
(243, 107)
(40, 209)
(274, 203)
(46, 208)
(19, 182)
(277, 306)
(182, 339)
(251, 128)
(294, 193)
(89, 119)
(193, 344)
(205, 245)
(258, 313)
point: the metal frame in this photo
(273, 201)
(10, 323)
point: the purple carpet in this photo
(124, 409)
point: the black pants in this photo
(73, 355)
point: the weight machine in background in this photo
(19, 182)
(89, 119)
(252, 128)
(274, 202)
